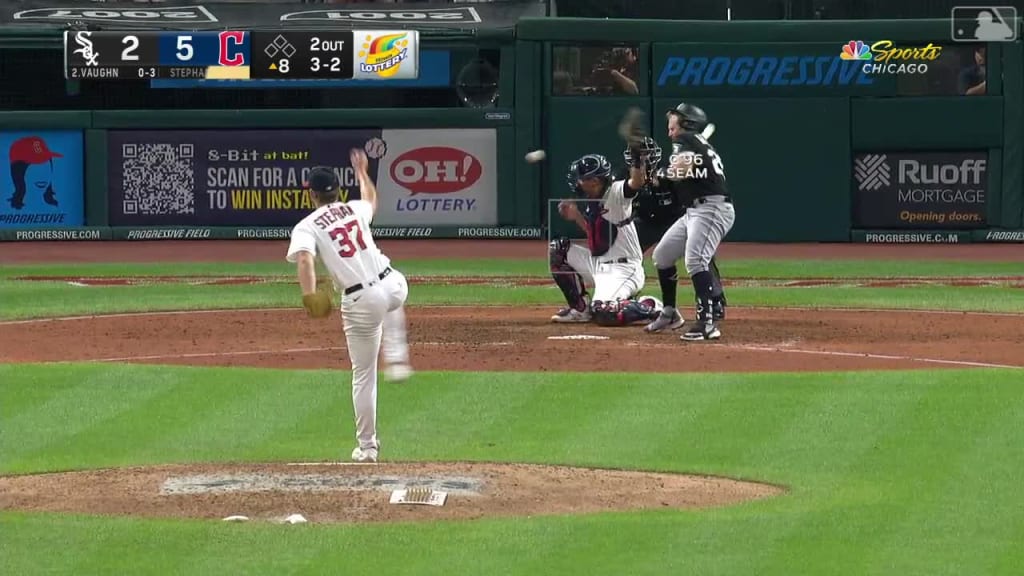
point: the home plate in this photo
(578, 337)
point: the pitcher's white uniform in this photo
(373, 300)
(619, 272)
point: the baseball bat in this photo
(708, 131)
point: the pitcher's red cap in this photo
(32, 150)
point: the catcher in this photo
(374, 293)
(612, 262)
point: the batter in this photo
(697, 174)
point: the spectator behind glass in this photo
(972, 78)
(615, 72)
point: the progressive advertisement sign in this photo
(256, 177)
(43, 184)
(688, 70)
(920, 190)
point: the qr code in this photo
(158, 178)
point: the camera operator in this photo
(972, 81)
(614, 72)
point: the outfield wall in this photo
(815, 149)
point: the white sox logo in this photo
(872, 171)
(86, 50)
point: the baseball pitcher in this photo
(697, 174)
(612, 262)
(374, 293)
(656, 207)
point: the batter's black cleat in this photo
(701, 331)
(705, 327)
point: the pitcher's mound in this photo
(334, 492)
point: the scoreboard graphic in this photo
(241, 55)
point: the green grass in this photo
(31, 299)
(890, 472)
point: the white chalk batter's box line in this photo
(783, 348)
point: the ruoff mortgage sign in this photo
(930, 190)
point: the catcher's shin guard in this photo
(622, 312)
(568, 280)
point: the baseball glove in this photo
(631, 127)
(320, 303)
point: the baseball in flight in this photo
(535, 156)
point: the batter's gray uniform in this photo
(694, 238)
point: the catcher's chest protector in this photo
(602, 233)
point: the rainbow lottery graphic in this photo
(386, 54)
(855, 50)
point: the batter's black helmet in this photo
(691, 118)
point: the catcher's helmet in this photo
(648, 149)
(691, 118)
(589, 166)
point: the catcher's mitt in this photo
(631, 127)
(320, 303)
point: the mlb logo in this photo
(984, 24)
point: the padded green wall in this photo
(788, 149)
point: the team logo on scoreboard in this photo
(89, 54)
(386, 54)
(185, 14)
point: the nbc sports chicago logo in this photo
(884, 57)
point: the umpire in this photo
(657, 206)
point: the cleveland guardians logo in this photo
(32, 171)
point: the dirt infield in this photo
(322, 492)
(523, 339)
